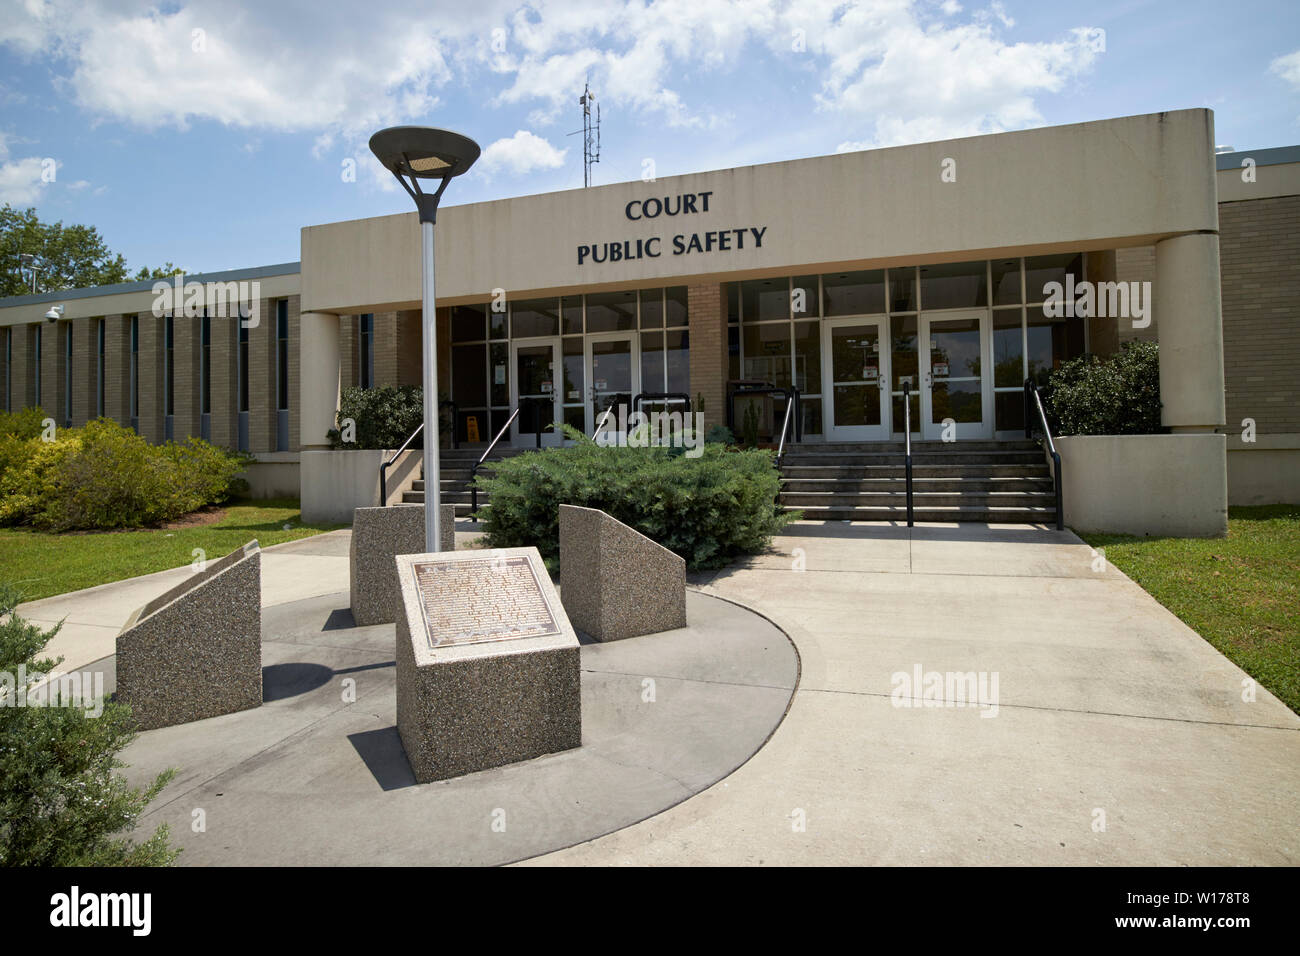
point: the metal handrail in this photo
(1037, 404)
(384, 466)
(785, 427)
(473, 471)
(662, 398)
(600, 426)
(789, 394)
(907, 446)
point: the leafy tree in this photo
(162, 272)
(61, 801)
(66, 257)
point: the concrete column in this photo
(1103, 333)
(707, 322)
(153, 349)
(318, 383)
(1186, 300)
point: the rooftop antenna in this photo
(590, 132)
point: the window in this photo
(282, 355)
(467, 323)
(99, 368)
(534, 317)
(169, 367)
(611, 311)
(365, 350)
(135, 371)
(67, 374)
(851, 293)
(956, 285)
(205, 364)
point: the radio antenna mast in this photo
(590, 132)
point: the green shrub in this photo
(1119, 395)
(384, 416)
(22, 424)
(106, 476)
(706, 509)
(61, 801)
(719, 434)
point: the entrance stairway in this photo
(455, 467)
(997, 481)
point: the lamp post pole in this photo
(429, 334)
(413, 154)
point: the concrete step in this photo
(1008, 515)
(926, 499)
(974, 485)
(957, 457)
(897, 469)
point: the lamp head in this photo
(417, 153)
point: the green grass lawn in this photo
(42, 564)
(1241, 593)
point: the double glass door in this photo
(536, 389)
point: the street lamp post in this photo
(413, 153)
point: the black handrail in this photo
(1034, 402)
(600, 425)
(473, 471)
(383, 468)
(907, 446)
(792, 413)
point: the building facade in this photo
(953, 268)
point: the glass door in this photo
(613, 367)
(855, 378)
(956, 391)
(535, 390)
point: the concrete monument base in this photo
(378, 536)
(487, 663)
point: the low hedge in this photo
(106, 476)
(707, 509)
(1117, 395)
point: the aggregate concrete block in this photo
(378, 536)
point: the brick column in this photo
(84, 384)
(295, 373)
(5, 378)
(706, 307)
(225, 381)
(410, 354)
(153, 356)
(261, 379)
(19, 387)
(186, 342)
(117, 368)
(347, 351)
(384, 343)
(52, 370)
(1103, 333)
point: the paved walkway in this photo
(1110, 712)
(1120, 736)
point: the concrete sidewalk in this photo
(1120, 736)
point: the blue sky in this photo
(207, 133)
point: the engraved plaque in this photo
(490, 599)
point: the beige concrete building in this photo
(845, 277)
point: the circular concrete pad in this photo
(317, 774)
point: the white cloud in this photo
(1288, 67)
(519, 154)
(20, 179)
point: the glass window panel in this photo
(679, 361)
(767, 353)
(576, 416)
(1009, 410)
(574, 371)
(959, 400)
(733, 302)
(478, 417)
(1006, 281)
(902, 289)
(532, 317)
(803, 297)
(611, 311)
(1049, 342)
(1008, 348)
(811, 408)
(733, 353)
(853, 293)
(499, 374)
(956, 344)
(954, 285)
(915, 404)
(652, 308)
(571, 315)
(652, 362)
(903, 360)
(808, 357)
(676, 312)
(1040, 270)
(469, 375)
(467, 323)
(763, 299)
(497, 327)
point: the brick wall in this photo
(261, 379)
(153, 356)
(1259, 265)
(186, 333)
(707, 319)
(1137, 264)
(117, 368)
(347, 351)
(225, 381)
(410, 354)
(84, 382)
(52, 377)
(295, 400)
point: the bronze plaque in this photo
(478, 600)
